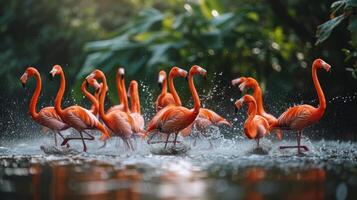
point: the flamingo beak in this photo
(186, 78)
(23, 85)
(205, 77)
(50, 76)
(235, 109)
(87, 84)
(160, 85)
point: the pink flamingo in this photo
(299, 117)
(173, 119)
(120, 87)
(119, 123)
(249, 82)
(77, 117)
(133, 95)
(256, 126)
(47, 116)
(165, 98)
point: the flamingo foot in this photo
(65, 141)
(298, 147)
(158, 142)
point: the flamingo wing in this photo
(49, 118)
(80, 118)
(213, 117)
(297, 117)
(175, 119)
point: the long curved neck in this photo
(92, 99)
(173, 90)
(196, 99)
(164, 87)
(252, 107)
(58, 100)
(258, 96)
(36, 94)
(119, 87)
(103, 93)
(135, 101)
(322, 102)
(125, 97)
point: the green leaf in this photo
(325, 29)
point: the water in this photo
(229, 170)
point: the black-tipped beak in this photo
(186, 78)
(122, 76)
(160, 85)
(235, 109)
(50, 77)
(87, 84)
(205, 77)
(23, 85)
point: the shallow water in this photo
(230, 170)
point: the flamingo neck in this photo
(125, 97)
(36, 94)
(196, 99)
(322, 102)
(173, 90)
(119, 88)
(135, 102)
(258, 96)
(252, 109)
(103, 93)
(164, 87)
(92, 99)
(58, 100)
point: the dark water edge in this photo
(229, 170)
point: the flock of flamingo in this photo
(171, 116)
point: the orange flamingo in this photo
(249, 82)
(133, 95)
(120, 87)
(77, 117)
(297, 118)
(256, 126)
(165, 98)
(119, 123)
(173, 119)
(47, 116)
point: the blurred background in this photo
(274, 41)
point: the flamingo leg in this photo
(299, 146)
(167, 139)
(65, 141)
(175, 139)
(152, 136)
(103, 145)
(258, 142)
(55, 134)
(84, 144)
(60, 134)
(131, 144)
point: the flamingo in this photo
(256, 126)
(299, 117)
(77, 117)
(120, 123)
(133, 95)
(47, 117)
(165, 98)
(173, 119)
(249, 82)
(120, 87)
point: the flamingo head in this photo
(94, 83)
(30, 71)
(56, 69)
(238, 81)
(121, 72)
(162, 78)
(132, 88)
(96, 74)
(176, 71)
(319, 63)
(248, 83)
(198, 70)
(245, 99)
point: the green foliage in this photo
(346, 10)
(240, 40)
